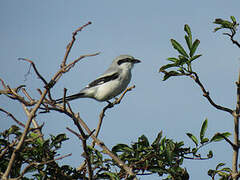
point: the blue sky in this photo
(40, 30)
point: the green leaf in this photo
(223, 174)
(112, 175)
(13, 129)
(193, 138)
(223, 23)
(203, 129)
(211, 172)
(157, 140)
(210, 154)
(204, 140)
(219, 136)
(170, 74)
(194, 47)
(182, 60)
(188, 37)
(233, 19)
(188, 41)
(187, 30)
(219, 165)
(156, 169)
(178, 47)
(226, 169)
(173, 59)
(122, 148)
(194, 57)
(143, 140)
(217, 28)
(36, 138)
(166, 67)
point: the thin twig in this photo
(64, 98)
(98, 142)
(75, 133)
(35, 124)
(69, 46)
(35, 69)
(41, 163)
(110, 105)
(27, 95)
(13, 94)
(106, 150)
(3, 152)
(3, 84)
(72, 64)
(9, 114)
(227, 140)
(207, 94)
(232, 37)
(101, 116)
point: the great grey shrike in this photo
(111, 83)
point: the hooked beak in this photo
(136, 61)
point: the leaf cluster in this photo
(36, 154)
(182, 64)
(225, 24)
(203, 140)
(163, 157)
(223, 172)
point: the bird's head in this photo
(125, 61)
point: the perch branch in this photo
(110, 105)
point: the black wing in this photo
(102, 80)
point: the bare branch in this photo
(9, 114)
(83, 136)
(72, 64)
(35, 124)
(227, 140)
(206, 94)
(102, 145)
(69, 46)
(13, 94)
(76, 117)
(110, 105)
(232, 37)
(3, 84)
(27, 95)
(35, 69)
(75, 133)
(64, 99)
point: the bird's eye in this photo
(124, 60)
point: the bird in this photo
(110, 84)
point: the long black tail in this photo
(69, 98)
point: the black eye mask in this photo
(128, 60)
